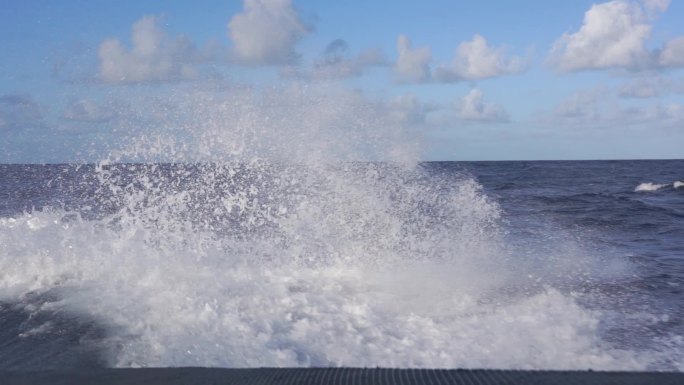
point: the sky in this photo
(478, 80)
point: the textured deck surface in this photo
(331, 376)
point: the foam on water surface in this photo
(649, 186)
(173, 306)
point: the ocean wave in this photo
(272, 249)
(649, 186)
(187, 302)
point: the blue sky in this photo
(485, 80)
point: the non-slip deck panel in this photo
(332, 376)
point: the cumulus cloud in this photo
(19, 112)
(474, 60)
(477, 60)
(408, 109)
(614, 35)
(472, 107)
(413, 64)
(153, 56)
(266, 32)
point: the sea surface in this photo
(509, 265)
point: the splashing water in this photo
(274, 236)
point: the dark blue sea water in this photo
(525, 265)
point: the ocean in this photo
(507, 265)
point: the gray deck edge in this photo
(332, 376)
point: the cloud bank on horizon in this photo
(464, 88)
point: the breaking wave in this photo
(294, 227)
(650, 186)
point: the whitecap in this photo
(649, 186)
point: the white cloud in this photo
(476, 60)
(613, 35)
(653, 116)
(153, 56)
(656, 6)
(672, 54)
(639, 91)
(266, 32)
(596, 108)
(472, 107)
(670, 114)
(413, 64)
(651, 87)
(408, 109)
(644, 88)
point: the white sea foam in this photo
(678, 184)
(186, 302)
(274, 252)
(649, 186)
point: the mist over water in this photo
(294, 226)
